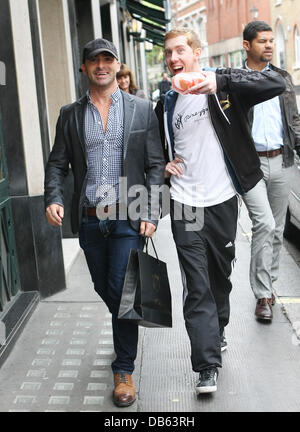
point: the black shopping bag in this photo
(146, 297)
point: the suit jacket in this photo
(143, 160)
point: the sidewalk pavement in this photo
(287, 287)
(61, 361)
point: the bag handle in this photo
(147, 241)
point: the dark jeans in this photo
(106, 245)
(206, 257)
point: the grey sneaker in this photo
(223, 342)
(207, 380)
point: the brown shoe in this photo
(263, 310)
(124, 392)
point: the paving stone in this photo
(57, 365)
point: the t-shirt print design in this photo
(197, 116)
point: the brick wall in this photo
(227, 18)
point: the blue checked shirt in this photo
(104, 152)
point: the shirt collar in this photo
(265, 69)
(116, 96)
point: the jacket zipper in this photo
(167, 136)
(219, 141)
(218, 102)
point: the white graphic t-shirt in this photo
(205, 181)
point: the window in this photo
(236, 59)
(218, 61)
(280, 47)
(204, 59)
(200, 29)
(297, 47)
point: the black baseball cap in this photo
(94, 47)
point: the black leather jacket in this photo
(290, 119)
(143, 161)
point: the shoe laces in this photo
(123, 378)
(207, 374)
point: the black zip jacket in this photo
(237, 91)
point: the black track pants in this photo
(206, 258)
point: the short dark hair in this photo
(253, 27)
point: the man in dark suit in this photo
(164, 86)
(111, 139)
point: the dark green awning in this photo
(151, 14)
(142, 10)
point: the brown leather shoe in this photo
(124, 392)
(263, 310)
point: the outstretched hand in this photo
(207, 86)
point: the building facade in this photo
(285, 19)
(40, 56)
(192, 14)
(226, 20)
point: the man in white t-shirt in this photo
(212, 160)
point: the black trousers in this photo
(206, 256)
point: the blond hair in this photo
(192, 38)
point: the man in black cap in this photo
(107, 136)
(97, 46)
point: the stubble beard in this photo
(100, 85)
(265, 59)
